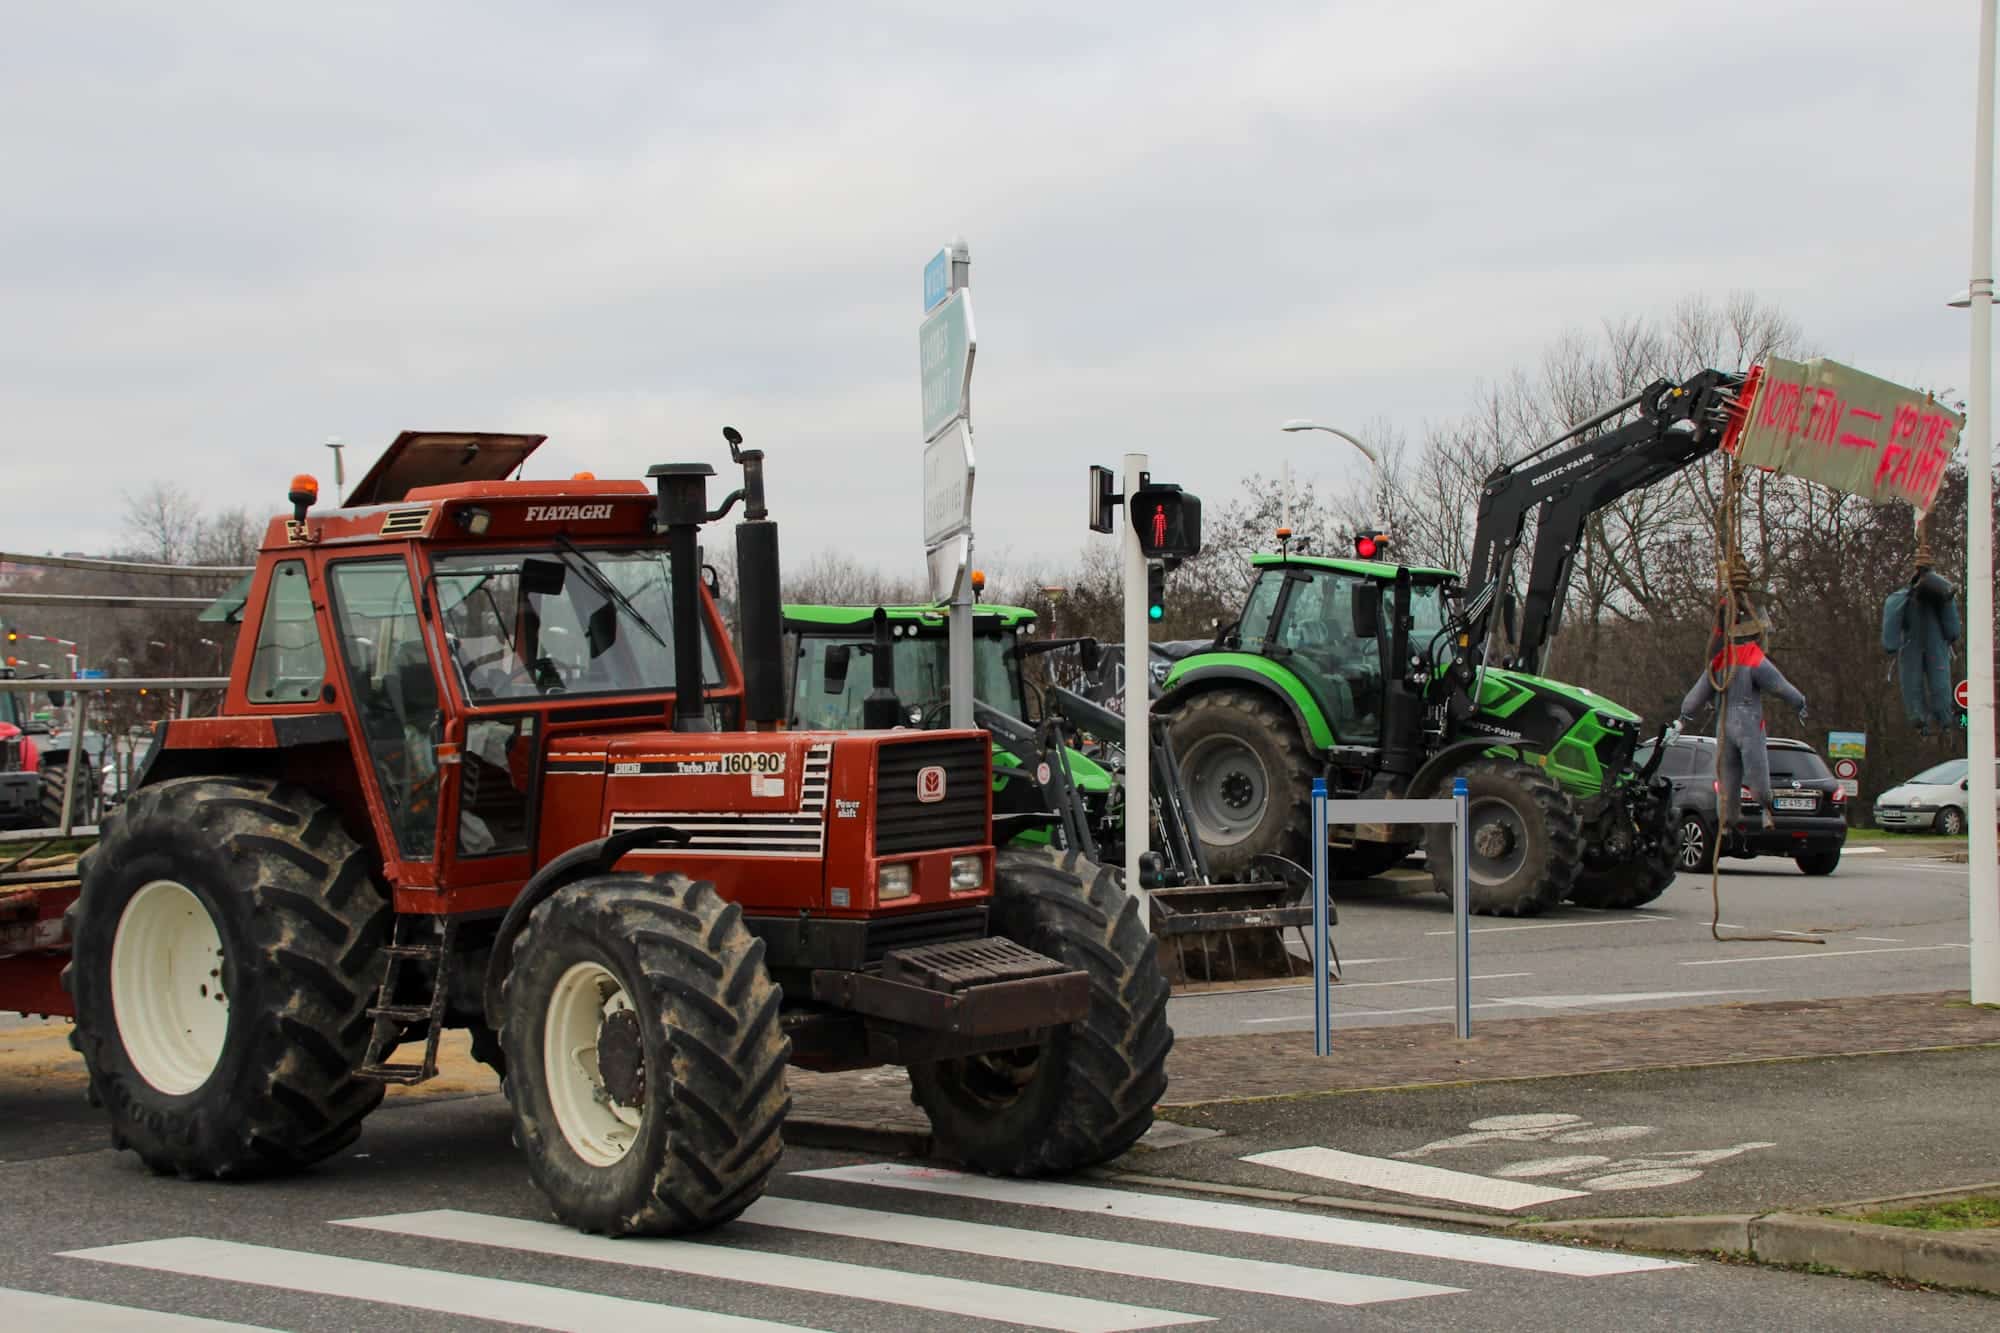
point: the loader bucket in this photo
(1215, 936)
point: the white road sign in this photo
(948, 562)
(948, 485)
(946, 345)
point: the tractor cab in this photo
(831, 651)
(1328, 621)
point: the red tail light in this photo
(1840, 796)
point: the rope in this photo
(1732, 586)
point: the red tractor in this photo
(488, 760)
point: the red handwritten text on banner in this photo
(1846, 429)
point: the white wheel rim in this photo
(167, 994)
(598, 1129)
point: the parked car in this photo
(1808, 806)
(1933, 801)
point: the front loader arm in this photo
(1677, 425)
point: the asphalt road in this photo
(1893, 922)
(430, 1223)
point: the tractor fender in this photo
(596, 857)
(1431, 776)
(1285, 689)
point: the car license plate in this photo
(1795, 803)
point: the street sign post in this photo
(1847, 745)
(946, 344)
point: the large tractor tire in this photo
(227, 945)
(645, 1061)
(1526, 839)
(1087, 1093)
(55, 781)
(1248, 774)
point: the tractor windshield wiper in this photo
(601, 581)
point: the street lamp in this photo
(1368, 451)
(211, 643)
(335, 443)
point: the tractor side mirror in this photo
(1508, 610)
(1367, 610)
(838, 658)
(542, 578)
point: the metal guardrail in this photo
(95, 564)
(77, 691)
(1436, 811)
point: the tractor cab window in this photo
(1314, 636)
(289, 665)
(395, 693)
(564, 621)
(827, 692)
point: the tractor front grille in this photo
(906, 823)
(908, 930)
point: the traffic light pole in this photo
(1138, 699)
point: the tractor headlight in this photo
(893, 882)
(967, 872)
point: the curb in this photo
(1967, 1260)
(1166, 1108)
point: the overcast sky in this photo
(231, 229)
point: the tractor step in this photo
(426, 953)
(397, 1073)
(390, 1017)
(402, 1013)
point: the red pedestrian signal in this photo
(1168, 522)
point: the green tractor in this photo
(1379, 677)
(1057, 780)
(829, 692)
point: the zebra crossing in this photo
(1029, 1260)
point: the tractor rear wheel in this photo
(55, 781)
(227, 944)
(1526, 839)
(1087, 1092)
(645, 1061)
(1248, 774)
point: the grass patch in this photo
(1951, 1215)
(1871, 835)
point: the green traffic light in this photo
(1156, 611)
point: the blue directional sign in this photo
(937, 280)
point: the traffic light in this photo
(1370, 545)
(1168, 521)
(1156, 590)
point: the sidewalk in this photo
(1237, 1068)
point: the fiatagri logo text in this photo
(567, 513)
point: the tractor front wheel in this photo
(645, 1061)
(227, 944)
(1086, 1093)
(1248, 774)
(1525, 834)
